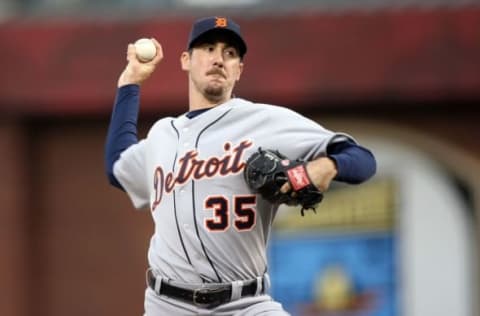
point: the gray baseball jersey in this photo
(208, 226)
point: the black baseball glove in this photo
(266, 171)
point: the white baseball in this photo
(145, 49)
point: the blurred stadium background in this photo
(402, 76)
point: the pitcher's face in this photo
(214, 68)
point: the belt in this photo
(209, 297)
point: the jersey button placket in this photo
(184, 203)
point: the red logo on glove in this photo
(298, 177)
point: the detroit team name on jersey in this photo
(190, 167)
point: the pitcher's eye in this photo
(231, 52)
(209, 48)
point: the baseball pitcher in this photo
(213, 177)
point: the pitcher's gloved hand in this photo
(266, 171)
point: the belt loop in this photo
(266, 283)
(236, 290)
(158, 284)
(259, 286)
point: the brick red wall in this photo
(13, 219)
(70, 244)
(91, 241)
(409, 55)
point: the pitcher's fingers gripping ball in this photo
(266, 171)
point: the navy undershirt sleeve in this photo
(122, 131)
(355, 164)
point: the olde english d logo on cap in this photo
(220, 22)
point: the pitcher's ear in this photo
(185, 61)
(240, 70)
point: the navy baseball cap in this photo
(208, 25)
